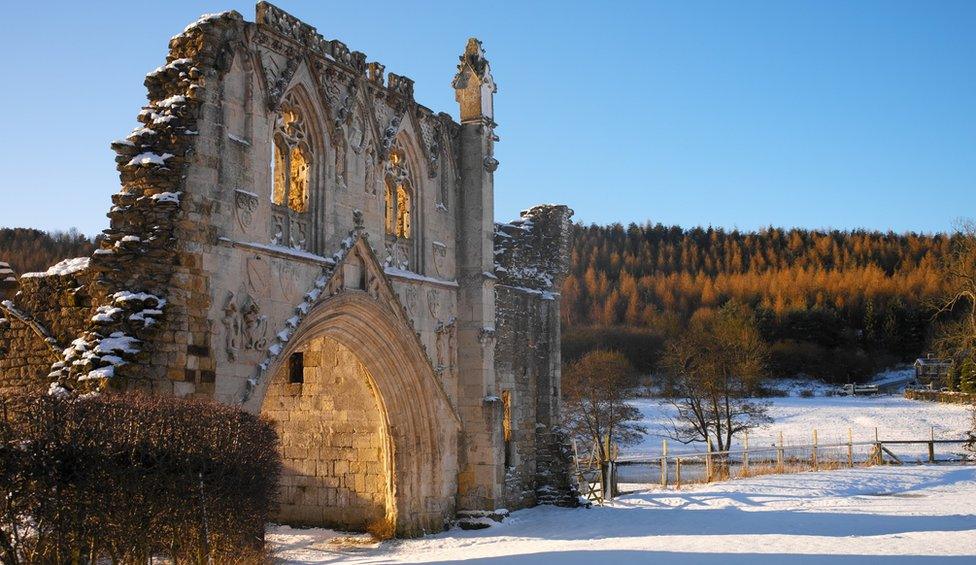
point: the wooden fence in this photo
(605, 480)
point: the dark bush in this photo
(131, 477)
(641, 346)
(833, 365)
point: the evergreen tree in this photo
(967, 376)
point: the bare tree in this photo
(956, 335)
(596, 389)
(714, 367)
(595, 393)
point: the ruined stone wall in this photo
(335, 445)
(43, 313)
(203, 278)
(531, 259)
(24, 355)
(520, 362)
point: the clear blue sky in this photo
(737, 114)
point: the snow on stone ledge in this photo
(279, 249)
(404, 274)
(150, 158)
(66, 267)
(166, 197)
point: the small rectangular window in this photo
(296, 368)
(507, 425)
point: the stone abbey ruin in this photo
(296, 235)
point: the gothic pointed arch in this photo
(412, 426)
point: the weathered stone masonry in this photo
(296, 234)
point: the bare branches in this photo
(713, 366)
(956, 335)
(595, 393)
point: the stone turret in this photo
(482, 468)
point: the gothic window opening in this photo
(399, 196)
(507, 425)
(390, 214)
(403, 212)
(291, 167)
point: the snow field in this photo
(916, 514)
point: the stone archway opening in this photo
(367, 393)
(337, 451)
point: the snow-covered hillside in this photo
(912, 514)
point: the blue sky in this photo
(737, 114)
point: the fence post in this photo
(708, 461)
(878, 458)
(745, 454)
(664, 465)
(604, 462)
(677, 473)
(850, 448)
(932, 446)
(815, 463)
(779, 454)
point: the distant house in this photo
(930, 371)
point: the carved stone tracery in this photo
(292, 176)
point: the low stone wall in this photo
(41, 315)
(937, 396)
(24, 357)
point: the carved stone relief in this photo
(246, 204)
(357, 132)
(446, 345)
(395, 254)
(433, 303)
(440, 258)
(373, 285)
(257, 274)
(278, 79)
(410, 300)
(245, 328)
(389, 134)
(277, 229)
(340, 161)
(369, 164)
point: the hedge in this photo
(130, 477)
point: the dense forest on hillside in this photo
(28, 250)
(832, 304)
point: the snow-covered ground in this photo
(912, 514)
(915, 513)
(895, 417)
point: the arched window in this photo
(291, 167)
(399, 196)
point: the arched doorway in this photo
(335, 440)
(369, 438)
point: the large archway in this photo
(335, 440)
(369, 439)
